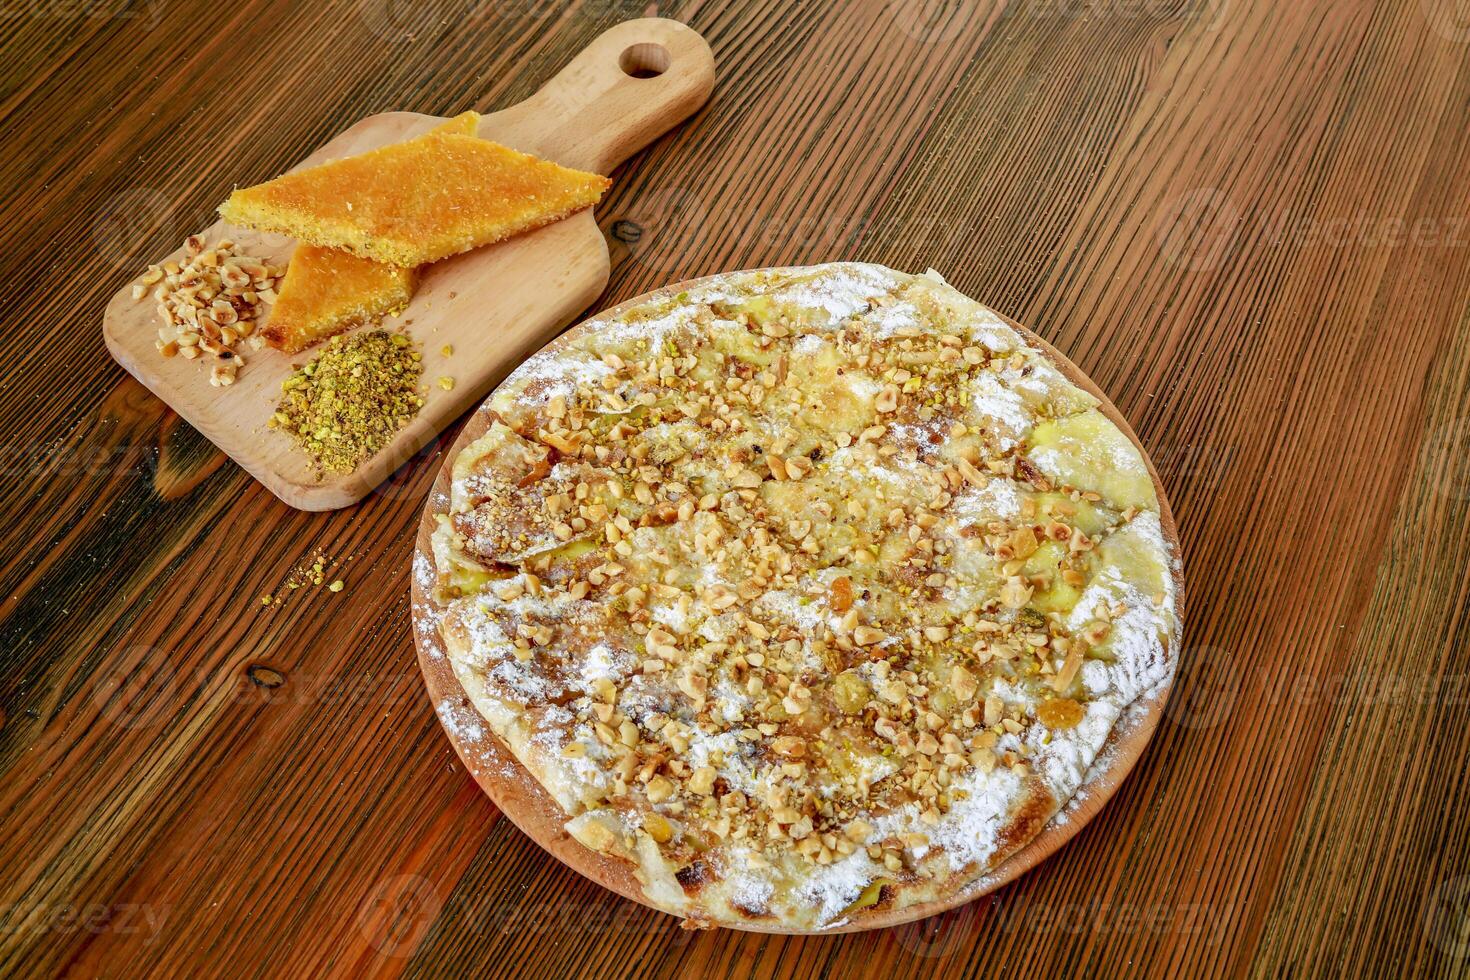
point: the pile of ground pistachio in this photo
(347, 402)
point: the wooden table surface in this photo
(1247, 220)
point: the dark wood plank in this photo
(1248, 222)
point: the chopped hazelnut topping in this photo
(702, 781)
(964, 683)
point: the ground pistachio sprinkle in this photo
(344, 405)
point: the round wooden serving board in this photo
(521, 798)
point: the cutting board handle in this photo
(627, 88)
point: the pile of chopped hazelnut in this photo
(209, 303)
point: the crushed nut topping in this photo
(830, 579)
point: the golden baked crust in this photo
(417, 201)
(327, 290)
(796, 591)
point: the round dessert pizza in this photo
(807, 595)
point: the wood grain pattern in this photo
(489, 307)
(1245, 220)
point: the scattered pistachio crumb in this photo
(310, 570)
(446, 383)
(448, 350)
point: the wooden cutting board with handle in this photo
(491, 307)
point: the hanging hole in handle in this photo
(644, 60)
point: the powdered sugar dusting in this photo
(605, 663)
(462, 722)
(970, 831)
(810, 344)
(994, 333)
(840, 290)
(998, 500)
(1117, 455)
(834, 887)
(999, 409)
(890, 318)
(747, 889)
(558, 372)
(650, 332)
(800, 611)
